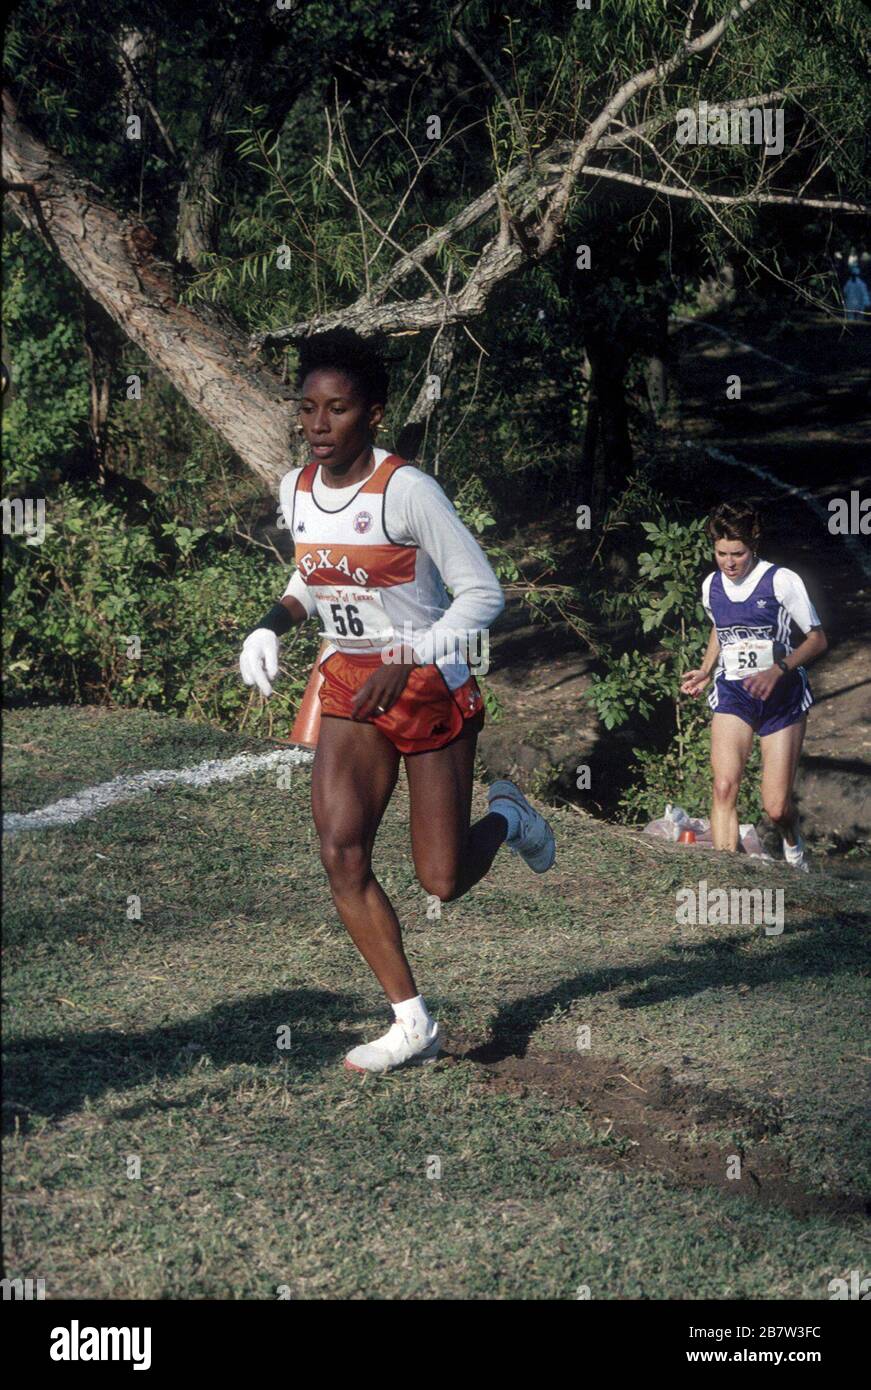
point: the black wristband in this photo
(278, 620)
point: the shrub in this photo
(149, 614)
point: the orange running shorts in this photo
(426, 716)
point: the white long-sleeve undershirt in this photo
(418, 512)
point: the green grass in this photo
(55, 751)
(155, 1039)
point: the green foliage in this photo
(472, 504)
(645, 682)
(670, 569)
(46, 418)
(149, 615)
(632, 685)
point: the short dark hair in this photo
(732, 521)
(362, 360)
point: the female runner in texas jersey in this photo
(760, 685)
(376, 542)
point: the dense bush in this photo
(150, 614)
(45, 420)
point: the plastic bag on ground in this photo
(675, 819)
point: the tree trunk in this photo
(240, 80)
(588, 451)
(198, 210)
(203, 355)
(607, 450)
(657, 368)
(656, 375)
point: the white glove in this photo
(258, 660)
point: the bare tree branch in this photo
(552, 160)
(690, 17)
(513, 243)
(129, 48)
(740, 200)
(555, 213)
(705, 200)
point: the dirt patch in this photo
(659, 1123)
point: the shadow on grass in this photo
(52, 1076)
(814, 950)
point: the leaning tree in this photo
(405, 164)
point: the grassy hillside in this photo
(518, 1166)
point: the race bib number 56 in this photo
(745, 658)
(354, 617)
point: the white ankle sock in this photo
(792, 853)
(414, 1013)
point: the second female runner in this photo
(760, 685)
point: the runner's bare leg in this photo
(731, 742)
(353, 777)
(449, 854)
(780, 754)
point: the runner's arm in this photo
(419, 510)
(298, 596)
(790, 588)
(712, 651)
(814, 644)
(294, 608)
(712, 655)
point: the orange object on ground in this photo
(307, 724)
(427, 715)
(686, 837)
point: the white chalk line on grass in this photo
(125, 788)
(858, 552)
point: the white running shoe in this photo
(795, 856)
(399, 1045)
(534, 841)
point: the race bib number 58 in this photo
(745, 658)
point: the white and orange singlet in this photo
(373, 561)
